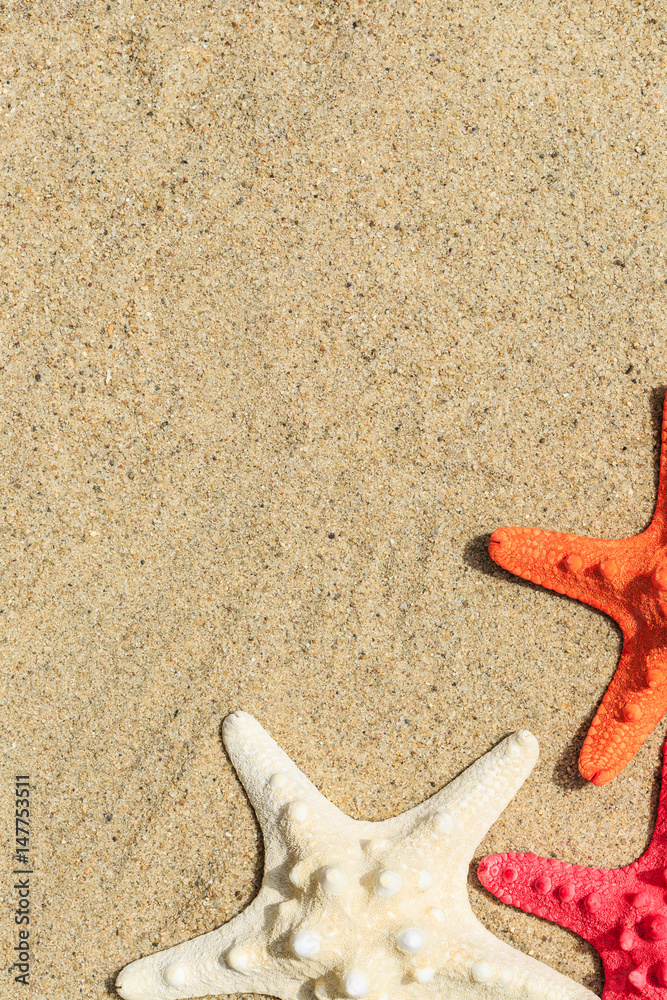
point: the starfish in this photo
(626, 578)
(621, 911)
(353, 909)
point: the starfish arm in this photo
(591, 570)
(569, 895)
(273, 783)
(230, 959)
(514, 969)
(620, 911)
(631, 708)
(458, 817)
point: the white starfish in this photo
(354, 909)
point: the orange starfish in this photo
(627, 579)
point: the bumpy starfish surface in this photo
(627, 579)
(621, 911)
(354, 909)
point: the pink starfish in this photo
(621, 911)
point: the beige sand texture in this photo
(300, 302)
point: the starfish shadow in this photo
(566, 769)
(110, 983)
(476, 555)
(656, 401)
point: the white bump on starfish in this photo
(425, 880)
(175, 975)
(305, 943)
(298, 876)
(355, 984)
(387, 883)
(443, 821)
(237, 959)
(482, 972)
(411, 940)
(298, 811)
(356, 909)
(333, 880)
(424, 975)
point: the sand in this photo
(300, 303)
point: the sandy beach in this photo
(300, 303)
